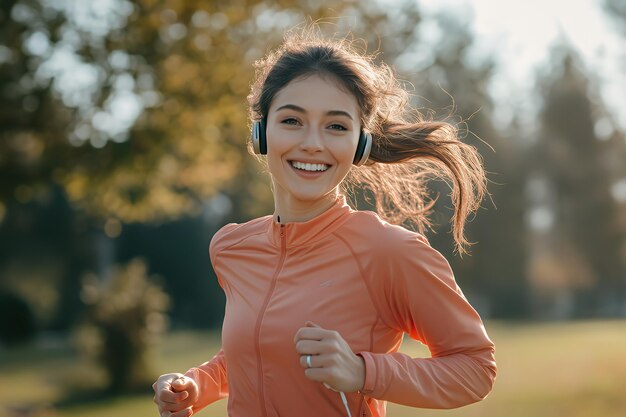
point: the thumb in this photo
(180, 383)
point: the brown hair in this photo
(407, 149)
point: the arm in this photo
(210, 377)
(423, 300)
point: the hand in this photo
(175, 394)
(332, 361)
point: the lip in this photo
(307, 161)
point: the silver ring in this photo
(308, 361)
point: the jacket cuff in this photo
(193, 374)
(370, 373)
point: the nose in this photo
(312, 141)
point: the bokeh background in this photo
(122, 150)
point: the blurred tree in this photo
(576, 263)
(495, 269)
(17, 321)
(616, 9)
(126, 316)
(146, 99)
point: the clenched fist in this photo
(175, 394)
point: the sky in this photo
(519, 34)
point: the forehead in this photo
(317, 93)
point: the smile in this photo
(301, 166)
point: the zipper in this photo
(363, 409)
(257, 330)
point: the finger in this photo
(310, 347)
(311, 333)
(318, 374)
(161, 385)
(318, 347)
(318, 361)
(183, 413)
(181, 384)
(174, 408)
(311, 324)
(167, 396)
(303, 361)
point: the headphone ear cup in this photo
(363, 148)
(259, 140)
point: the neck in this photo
(289, 209)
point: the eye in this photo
(290, 121)
(336, 126)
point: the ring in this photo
(308, 361)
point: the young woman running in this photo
(318, 295)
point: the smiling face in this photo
(312, 131)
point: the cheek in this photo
(276, 143)
(345, 150)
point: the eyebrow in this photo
(328, 113)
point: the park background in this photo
(122, 150)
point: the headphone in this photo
(259, 142)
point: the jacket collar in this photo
(299, 233)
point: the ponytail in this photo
(404, 157)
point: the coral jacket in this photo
(347, 271)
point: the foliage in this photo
(126, 316)
(137, 109)
(17, 321)
(574, 166)
(616, 9)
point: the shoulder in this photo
(368, 230)
(391, 253)
(233, 233)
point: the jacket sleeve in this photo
(211, 376)
(211, 380)
(419, 296)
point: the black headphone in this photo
(259, 143)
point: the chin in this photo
(307, 197)
(312, 195)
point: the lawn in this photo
(574, 369)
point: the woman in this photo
(320, 295)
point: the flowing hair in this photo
(408, 150)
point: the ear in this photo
(363, 148)
(259, 141)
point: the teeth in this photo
(309, 167)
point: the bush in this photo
(17, 322)
(125, 316)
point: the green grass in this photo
(547, 370)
